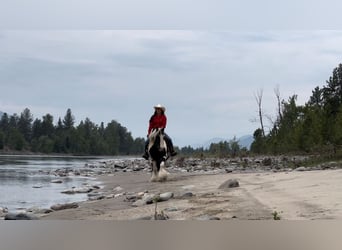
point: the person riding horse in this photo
(158, 120)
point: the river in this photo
(24, 182)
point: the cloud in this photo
(206, 79)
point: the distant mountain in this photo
(244, 141)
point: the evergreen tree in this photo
(25, 124)
(2, 140)
(68, 120)
(47, 126)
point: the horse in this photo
(157, 150)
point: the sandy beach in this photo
(293, 195)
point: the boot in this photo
(173, 152)
(145, 156)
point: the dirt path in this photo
(294, 195)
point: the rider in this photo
(158, 120)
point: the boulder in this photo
(231, 183)
(64, 206)
(20, 216)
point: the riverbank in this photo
(195, 190)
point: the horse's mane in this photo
(153, 138)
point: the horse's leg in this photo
(162, 172)
(154, 176)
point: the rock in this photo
(4, 209)
(148, 217)
(131, 198)
(119, 166)
(110, 196)
(300, 169)
(138, 203)
(208, 217)
(187, 195)
(97, 197)
(64, 206)
(140, 194)
(20, 216)
(78, 190)
(56, 181)
(171, 209)
(118, 195)
(37, 210)
(37, 186)
(117, 189)
(149, 198)
(231, 183)
(188, 187)
(267, 162)
(165, 196)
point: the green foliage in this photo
(2, 139)
(276, 215)
(315, 127)
(41, 135)
(221, 149)
(16, 139)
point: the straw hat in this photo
(159, 106)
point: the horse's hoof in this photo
(163, 174)
(154, 178)
(162, 178)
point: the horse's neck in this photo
(161, 140)
(153, 137)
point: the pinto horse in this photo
(157, 150)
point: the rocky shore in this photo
(202, 189)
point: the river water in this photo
(25, 184)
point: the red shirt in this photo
(157, 121)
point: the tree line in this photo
(221, 149)
(87, 138)
(315, 127)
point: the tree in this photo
(15, 139)
(2, 139)
(25, 124)
(68, 120)
(112, 137)
(4, 123)
(47, 126)
(316, 99)
(258, 144)
(258, 98)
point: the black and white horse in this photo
(157, 149)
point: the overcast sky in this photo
(205, 79)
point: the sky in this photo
(207, 80)
(204, 60)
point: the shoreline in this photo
(313, 195)
(194, 191)
(300, 194)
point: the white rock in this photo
(188, 187)
(56, 181)
(165, 196)
(118, 189)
